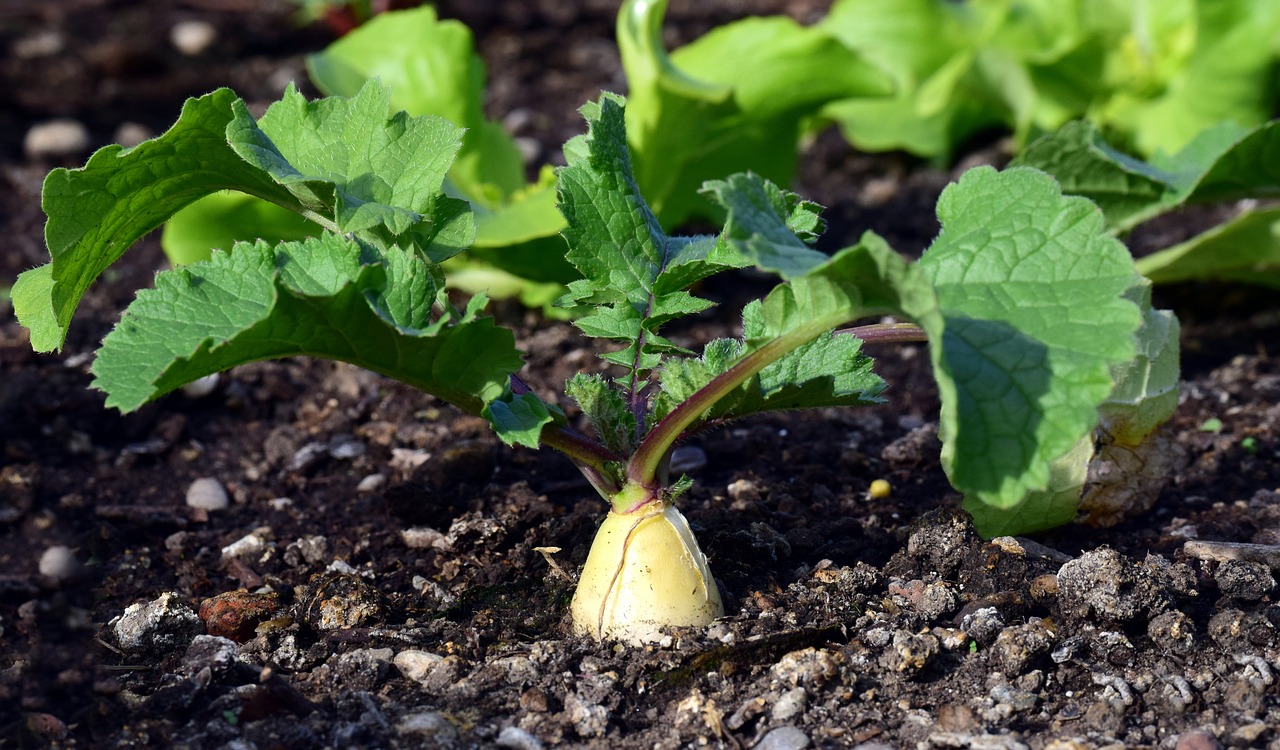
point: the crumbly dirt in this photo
(375, 579)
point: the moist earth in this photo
(303, 554)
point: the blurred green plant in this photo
(1150, 73)
(1222, 164)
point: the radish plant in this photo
(1024, 299)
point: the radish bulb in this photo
(644, 572)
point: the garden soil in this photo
(380, 574)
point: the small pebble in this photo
(246, 548)
(983, 624)
(879, 489)
(310, 550)
(518, 739)
(193, 38)
(371, 483)
(201, 387)
(1198, 739)
(687, 458)
(59, 563)
(807, 667)
(423, 537)
(306, 457)
(212, 652)
(164, 623)
(590, 719)
(208, 493)
(130, 134)
(344, 447)
(341, 567)
(790, 705)
(430, 726)
(56, 138)
(743, 490)
(235, 615)
(1248, 735)
(46, 43)
(1018, 700)
(432, 671)
(1244, 579)
(783, 738)
(46, 725)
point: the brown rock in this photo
(237, 614)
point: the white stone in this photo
(201, 387)
(789, 705)
(59, 563)
(130, 134)
(784, 738)
(246, 548)
(193, 38)
(56, 138)
(163, 623)
(430, 726)
(424, 537)
(371, 483)
(433, 672)
(209, 494)
(518, 739)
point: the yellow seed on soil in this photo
(879, 489)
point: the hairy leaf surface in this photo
(334, 160)
(634, 275)
(1031, 290)
(325, 297)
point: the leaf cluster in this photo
(1154, 73)
(1025, 298)
(920, 75)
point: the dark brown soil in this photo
(375, 581)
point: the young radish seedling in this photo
(1022, 297)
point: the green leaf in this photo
(346, 161)
(1245, 249)
(772, 226)
(518, 419)
(732, 100)
(32, 296)
(1144, 396)
(432, 68)
(607, 410)
(1031, 291)
(1154, 73)
(633, 274)
(1247, 164)
(1145, 393)
(771, 229)
(220, 220)
(812, 367)
(332, 161)
(1054, 505)
(948, 85)
(1127, 190)
(829, 370)
(326, 297)
(1223, 163)
(1217, 66)
(99, 211)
